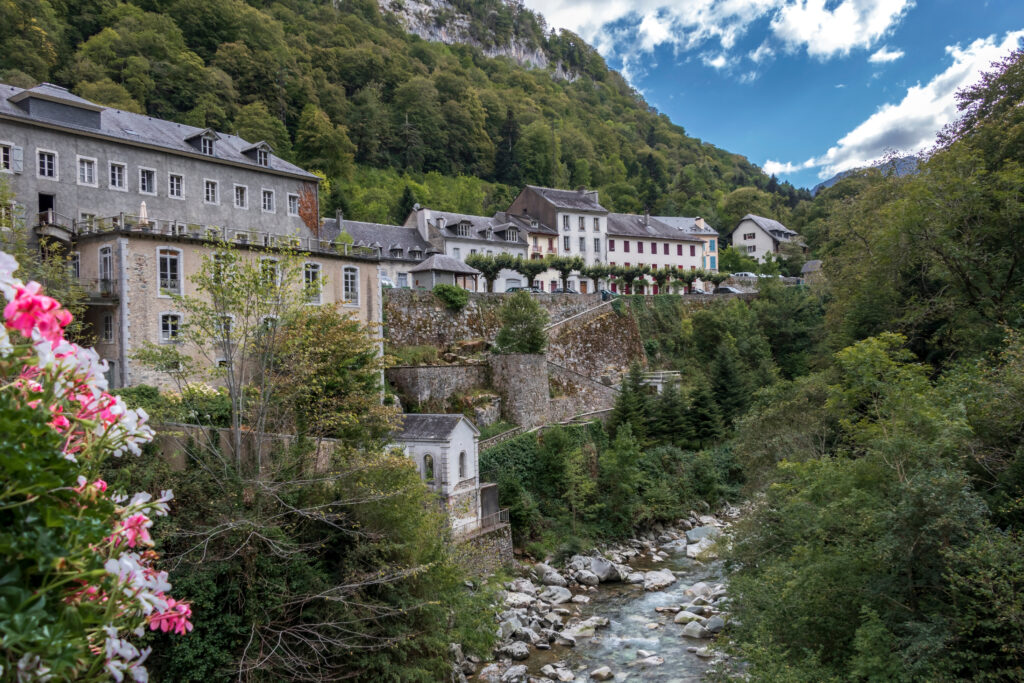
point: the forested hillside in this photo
(342, 88)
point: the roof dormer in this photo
(48, 101)
(204, 141)
(259, 152)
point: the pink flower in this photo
(136, 529)
(30, 310)
(175, 618)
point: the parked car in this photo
(531, 290)
(725, 289)
(564, 290)
(745, 274)
(607, 294)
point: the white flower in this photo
(8, 282)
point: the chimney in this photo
(340, 216)
(441, 222)
(699, 222)
(647, 217)
(581, 189)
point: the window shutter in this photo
(17, 159)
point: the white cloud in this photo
(719, 62)
(884, 55)
(776, 168)
(910, 125)
(626, 29)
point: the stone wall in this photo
(600, 346)
(417, 318)
(576, 394)
(521, 379)
(487, 552)
(440, 382)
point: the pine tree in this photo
(669, 424)
(729, 381)
(632, 406)
(405, 205)
(703, 416)
(506, 165)
(619, 477)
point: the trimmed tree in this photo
(529, 268)
(595, 274)
(522, 329)
(488, 266)
(565, 265)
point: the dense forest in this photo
(343, 89)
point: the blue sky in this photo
(803, 88)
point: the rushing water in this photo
(631, 611)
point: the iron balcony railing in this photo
(495, 519)
(99, 288)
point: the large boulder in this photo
(658, 579)
(702, 549)
(604, 570)
(490, 673)
(556, 595)
(695, 630)
(699, 589)
(517, 650)
(515, 674)
(635, 577)
(685, 617)
(578, 563)
(518, 600)
(585, 577)
(602, 674)
(715, 624)
(524, 586)
(549, 576)
(586, 628)
(694, 535)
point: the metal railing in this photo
(495, 519)
(99, 287)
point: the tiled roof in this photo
(389, 237)
(632, 225)
(136, 129)
(576, 200)
(687, 224)
(444, 264)
(421, 427)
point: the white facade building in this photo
(757, 236)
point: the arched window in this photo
(462, 465)
(428, 467)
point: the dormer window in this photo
(415, 254)
(206, 146)
(512, 235)
(262, 157)
(462, 229)
(534, 223)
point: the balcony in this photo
(49, 223)
(170, 227)
(99, 291)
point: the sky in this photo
(803, 88)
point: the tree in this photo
(732, 260)
(529, 268)
(405, 205)
(669, 424)
(661, 277)
(703, 415)
(254, 122)
(490, 266)
(618, 478)
(632, 406)
(321, 144)
(596, 272)
(729, 381)
(565, 265)
(522, 329)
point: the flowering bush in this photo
(77, 574)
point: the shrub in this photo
(523, 323)
(453, 297)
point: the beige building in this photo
(130, 275)
(757, 236)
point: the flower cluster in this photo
(46, 372)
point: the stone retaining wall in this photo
(521, 379)
(422, 383)
(487, 552)
(580, 395)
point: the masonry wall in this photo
(576, 394)
(423, 383)
(600, 345)
(522, 381)
(487, 552)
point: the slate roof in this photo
(478, 226)
(687, 224)
(137, 129)
(388, 237)
(632, 225)
(444, 264)
(811, 267)
(525, 223)
(574, 200)
(772, 227)
(426, 427)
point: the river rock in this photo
(517, 600)
(580, 599)
(648, 661)
(550, 577)
(635, 577)
(694, 535)
(490, 673)
(585, 577)
(685, 617)
(602, 674)
(524, 586)
(699, 589)
(578, 563)
(586, 628)
(509, 627)
(715, 624)
(702, 549)
(556, 595)
(604, 570)
(658, 579)
(517, 650)
(695, 630)
(515, 674)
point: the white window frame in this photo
(160, 324)
(291, 196)
(6, 149)
(263, 200)
(181, 186)
(262, 157)
(108, 251)
(107, 335)
(345, 292)
(206, 145)
(124, 176)
(234, 196)
(181, 285)
(277, 268)
(216, 192)
(75, 264)
(566, 243)
(565, 222)
(56, 164)
(402, 280)
(78, 171)
(308, 267)
(144, 169)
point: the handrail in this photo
(582, 376)
(577, 315)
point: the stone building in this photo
(401, 248)
(444, 448)
(139, 201)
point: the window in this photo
(565, 243)
(597, 245)
(711, 245)
(625, 246)
(583, 223)
(611, 245)
(749, 235)
(462, 465)
(551, 244)
(5, 157)
(565, 222)
(118, 176)
(512, 235)
(241, 197)
(654, 266)
(462, 229)
(654, 247)
(270, 272)
(311, 278)
(87, 171)
(210, 194)
(147, 181)
(106, 263)
(268, 201)
(583, 244)
(107, 333)
(170, 324)
(693, 250)
(665, 249)
(75, 264)
(47, 166)
(679, 250)
(712, 262)
(751, 249)
(472, 251)
(350, 284)
(639, 247)
(293, 205)
(169, 271)
(175, 186)
(456, 253)
(428, 467)
(262, 157)
(554, 285)
(597, 224)
(206, 146)
(403, 279)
